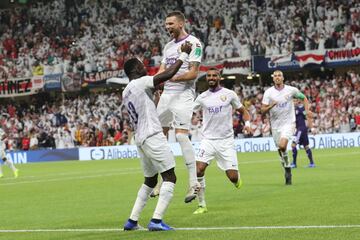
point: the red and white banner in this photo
(16, 87)
(307, 57)
(343, 55)
(237, 65)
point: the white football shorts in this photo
(176, 109)
(156, 155)
(286, 131)
(223, 150)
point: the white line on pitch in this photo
(69, 178)
(182, 229)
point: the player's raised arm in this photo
(171, 71)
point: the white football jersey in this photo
(217, 108)
(171, 53)
(137, 98)
(284, 112)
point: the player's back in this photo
(300, 117)
(171, 54)
(137, 98)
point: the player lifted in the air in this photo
(175, 104)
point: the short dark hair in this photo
(130, 65)
(215, 69)
(179, 15)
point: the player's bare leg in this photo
(234, 177)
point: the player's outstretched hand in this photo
(186, 47)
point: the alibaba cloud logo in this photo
(97, 154)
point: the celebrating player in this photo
(152, 145)
(278, 100)
(217, 104)
(3, 156)
(176, 101)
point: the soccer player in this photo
(278, 100)
(217, 105)
(175, 104)
(3, 156)
(301, 135)
(151, 142)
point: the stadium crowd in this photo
(100, 120)
(90, 35)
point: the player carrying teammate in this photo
(152, 145)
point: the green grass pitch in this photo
(93, 199)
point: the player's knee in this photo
(232, 175)
(307, 147)
(151, 181)
(200, 169)
(169, 176)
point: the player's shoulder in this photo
(290, 87)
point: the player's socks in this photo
(309, 154)
(165, 196)
(10, 164)
(1, 173)
(201, 193)
(294, 154)
(142, 197)
(156, 191)
(288, 176)
(285, 159)
(189, 156)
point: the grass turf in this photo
(100, 194)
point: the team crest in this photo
(223, 98)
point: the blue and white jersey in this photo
(137, 98)
(284, 112)
(217, 108)
(172, 52)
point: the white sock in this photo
(10, 164)
(142, 197)
(1, 169)
(189, 156)
(165, 196)
(285, 159)
(201, 194)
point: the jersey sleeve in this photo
(196, 52)
(235, 100)
(197, 104)
(295, 92)
(146, 82)
(266, 98)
